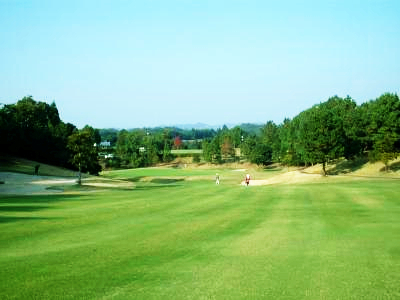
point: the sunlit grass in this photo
(192, 239)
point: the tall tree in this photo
(84, 151)
(270, 137)
(321, 131)
(383, 127)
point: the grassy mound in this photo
(358, 167)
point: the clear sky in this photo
(126, 64)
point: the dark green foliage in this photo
(196, 158)
(327, 131)
(252, 129)
(261, 154)
(321, 131)
(332, 129)
(270, 138)
(82, 144)
(34, 130)
(110, 135)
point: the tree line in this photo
(332, 129)
(34, 130)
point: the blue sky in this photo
(126, 64)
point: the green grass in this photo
(186, 151)
(227, 175)
(191, 239)
(157, 172)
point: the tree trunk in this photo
(80, 175)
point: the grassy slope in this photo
(194, 240)
(359, 167)
(25, 166)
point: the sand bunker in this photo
(287, 178)
(23, 184)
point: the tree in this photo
(167, 155)
(270, 137)
(384, 148)
(321, 131)
(248, 145)
(207, 155)
(383, 127)
(33, 130)
(177, 142)
(261, 154)
(215, 150)
(285, 142)
(227, 149)
(121, 148)
(84, 152)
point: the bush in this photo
(196, 158)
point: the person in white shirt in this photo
(247, 179)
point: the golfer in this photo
(247, 179)
(216, 178)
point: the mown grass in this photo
(227, 175)
(195, 240)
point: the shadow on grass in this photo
(154, 187)
(4, 219)
(32, 199)
(166, 180)
(22, 208)
(348, 166)
(273, 168)
(7, 161)
(394, 167)
(134, 179)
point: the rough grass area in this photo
(192, 239)
(358, 167)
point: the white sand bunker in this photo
(287, 178)
(23, 184)
(108, 183)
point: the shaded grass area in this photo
(197, 240)
(348, 166)
(25, 166)
(395, 166)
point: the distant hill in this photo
(252, 128)
(199, 126)
(111, 134)
(249, 127)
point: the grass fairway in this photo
(191, 239)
